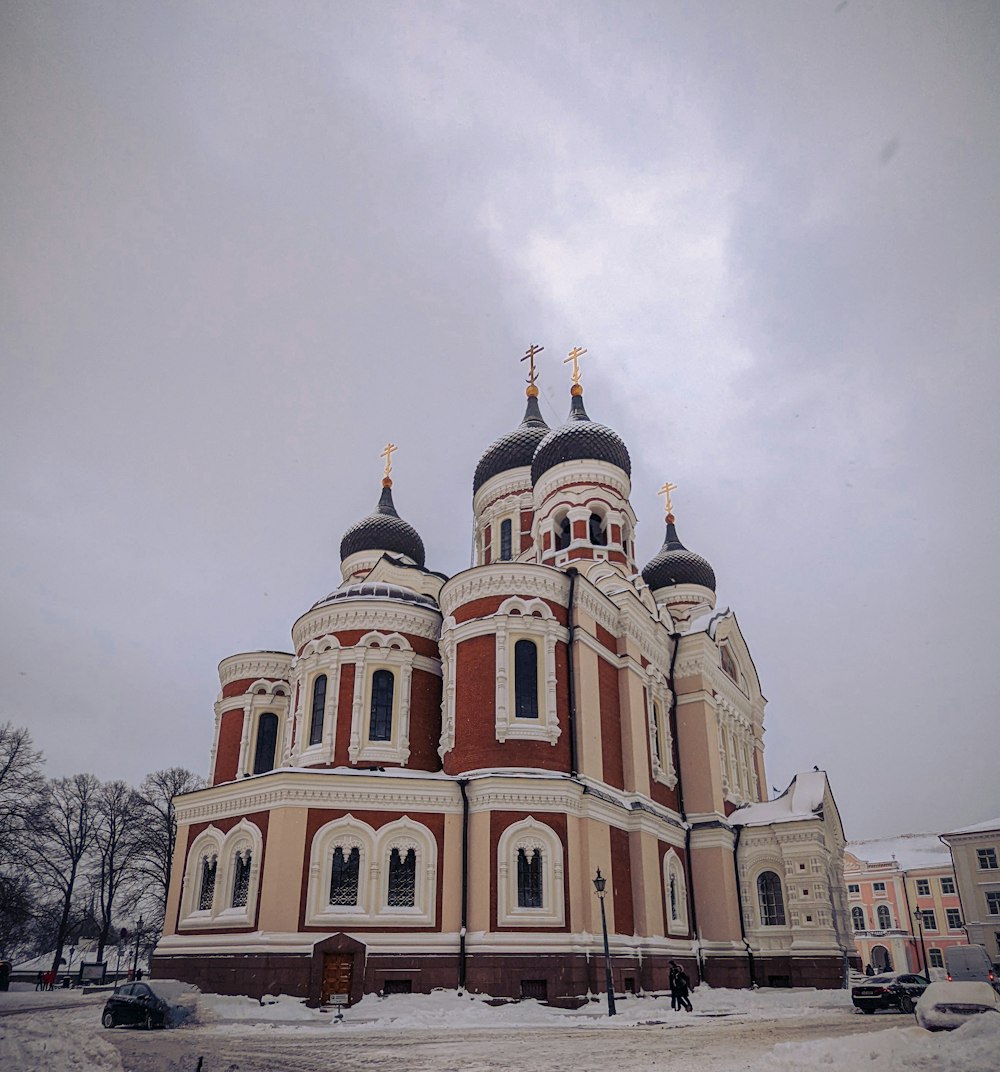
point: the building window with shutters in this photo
(318, 709)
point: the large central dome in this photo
(384, 530)
(513, 450)
(579, 439)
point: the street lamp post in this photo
(135, 958)
(122, 936)
(919, 917)
(599, 883)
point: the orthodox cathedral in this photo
(422, 792)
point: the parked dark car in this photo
(135, 1003)
(892, 991)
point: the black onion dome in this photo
(579, 439)
(384, 530)
(377, 590)
(513, 450)
(675, 564)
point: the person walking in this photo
(683, 984)
(40, 981)
(675, 972)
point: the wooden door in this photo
(336, 975)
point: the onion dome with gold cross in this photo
(674, 564)
(515, 449)
(384, 529)
(580, 438)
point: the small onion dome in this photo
(579, 439)
(515, 449)
(377, 590)
(675, 564)
(384, 530)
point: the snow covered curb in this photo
(35, 1042)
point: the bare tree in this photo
(118, 842)
(157, 794)
(62, 836)
(21, 786)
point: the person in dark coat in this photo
(680, 988)
(672, 980)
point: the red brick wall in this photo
(611, 724)
(228, 755)
(425, 721)
(621, 881)
(483, 608)
(608, 639)
(499, 822)
(345, 704)
(376, 819)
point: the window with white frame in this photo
(923, 887)
(506, 540)
(936, 958)
(854, 889)
(675, 887)
(954, 919)
(318, 709)
(380, 717)
(221, 878)
(878, 887)
(661, 746)
(987, 859)
(526, 635)
(530, 876)
(267, 743)
(770, 900)
(359, 874)
(884, 917)
(993, 902)
(858, 918)
(929, 919)
(947, 884)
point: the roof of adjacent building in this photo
(910, 851)
(803, 799)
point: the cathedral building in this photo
(421, 792)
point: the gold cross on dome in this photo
(574, 355)
(387, 454)
(666, 490)
(529, 356)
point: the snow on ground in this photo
(36, 1042)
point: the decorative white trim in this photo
(378, 651)
(212, 843)
(255, 664)
(501, 579)
(658, 699)
(380, 614)
(529, 834)
(348, 833)
(519, 619)
(674, 869)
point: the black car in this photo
(135, 1003)
(892, 991)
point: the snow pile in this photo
(803, 799)
(40, 1044)
(218, 1008)
(972, 1048)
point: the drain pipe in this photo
(463, 786)
(692, 900)
(739, 906)
(573, 761)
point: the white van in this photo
(969, 963)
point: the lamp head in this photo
(600, 882)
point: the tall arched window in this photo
(402, 878)
(598, 536)
(772, 904)
(319, 705)
(884, 917)
(209, 867)
(673, 896)
(529, 879)
(525, 679)
(267, 742)
(380, 724)
(506, 540)
(344, 876)
(858, 918)
(241, 878)
(656, 735)
(564, 530)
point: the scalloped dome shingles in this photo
(384, 530)
(513, 450)
(580, 439)
(675, 564)
(377, 590)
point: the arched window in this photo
(506, 540)
(564, 530)
(344, 876)
(884, 917)
(206, 895)
(598, 536)
(675, 888)
(267, 742)
(525, 679)
(529, 879)
(656, 735)
(380, 724)
(402, 878)
(772, 905)
(673, 896)
(319, 705)
(241, 878)
(858, 918)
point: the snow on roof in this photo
(803, 799)
(910, 851)
(986, 824)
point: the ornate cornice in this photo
(573, 474)
(504, 579)
(254, 664)
(366, 614)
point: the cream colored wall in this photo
(176, 880)
(698, 746)
(647, 882)
(588, 712)
(450, 874)
(714, 879)
(635, 726)
(480, 869)
(284, 860)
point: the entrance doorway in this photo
(881, 961)
(337, 969)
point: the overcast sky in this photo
(242, 245)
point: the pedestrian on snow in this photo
(40, 981)
(869, 970)
(680, 988)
